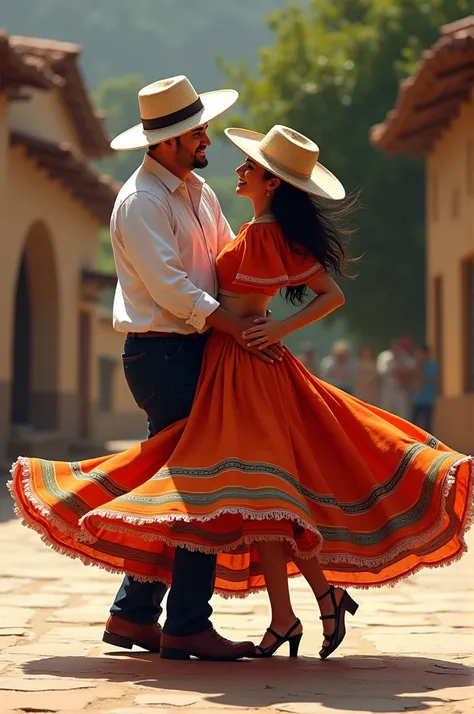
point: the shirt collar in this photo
(170, 180)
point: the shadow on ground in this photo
(367, 684)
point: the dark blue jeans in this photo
(162, 374)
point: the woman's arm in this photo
(329, 296)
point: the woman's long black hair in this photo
(312, 228)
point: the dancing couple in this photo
(254, 470)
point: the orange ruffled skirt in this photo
(268, 452)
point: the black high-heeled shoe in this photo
(347, 604)
(293, 641)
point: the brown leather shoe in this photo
(122, 633)
(207, 645)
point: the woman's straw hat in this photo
(290, 156)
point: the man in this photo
(338, 368)
(395, 368)
(424, 398)
(167, 228)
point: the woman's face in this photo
(366, 353)
(252, 182)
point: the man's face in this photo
(191, 148)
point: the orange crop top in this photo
(259, 260)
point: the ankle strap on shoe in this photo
(331, 589)
(287, 634)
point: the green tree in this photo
(332, 72)
(118, 98)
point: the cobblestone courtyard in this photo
(408, 648)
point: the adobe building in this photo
(433, 117)
(62, 388)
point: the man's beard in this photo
(199, 163)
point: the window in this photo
(468, 326)
(107, 368)
(438, 328)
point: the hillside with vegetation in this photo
(152, 38)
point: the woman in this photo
(274, 470)
(366, 377)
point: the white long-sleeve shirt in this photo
(166, 235)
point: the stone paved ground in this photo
(409, 648)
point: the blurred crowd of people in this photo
(402, 379)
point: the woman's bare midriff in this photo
(244, 305)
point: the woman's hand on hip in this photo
(264, 333)
(269, 353)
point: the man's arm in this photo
(152, 247)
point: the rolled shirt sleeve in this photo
(152, 247)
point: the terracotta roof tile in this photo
(61, 58)
(96, 192)
(428, 101)
(40, 44)
(19, 69)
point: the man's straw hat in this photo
(290, 156)
(169, 108)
